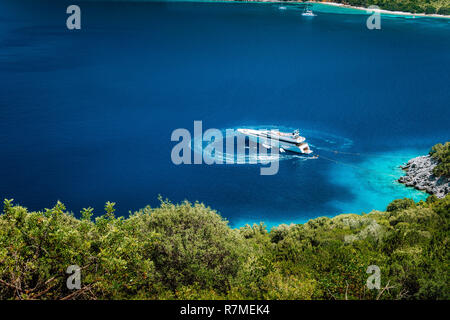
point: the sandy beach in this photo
(399, 13)
(383, 12)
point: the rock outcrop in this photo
(419, 174)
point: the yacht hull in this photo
(285, 142)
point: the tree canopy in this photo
(188, 251)
(441, 152)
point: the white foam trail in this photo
(318, 141)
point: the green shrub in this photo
(400, 204)
(444, 10)
(194, 245)
(430, 10)
(187, 251)
(441, 153)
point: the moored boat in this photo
(307, 12)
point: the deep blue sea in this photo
(86, 116)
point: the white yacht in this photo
(285, 141)
(307, 12)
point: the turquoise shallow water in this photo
(372, 179)
(86, 117)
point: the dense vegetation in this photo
(413, 6)
(441, 152)
(188, 251)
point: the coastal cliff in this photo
(428, 173)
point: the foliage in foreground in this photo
(187, 251)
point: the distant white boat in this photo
(308, 12)
(282, 8)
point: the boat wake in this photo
(254, 153)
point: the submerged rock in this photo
(419, 174)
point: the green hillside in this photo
(187, 251)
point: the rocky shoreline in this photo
(419, 174)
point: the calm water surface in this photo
(86, 116)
